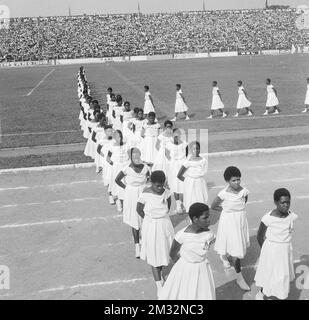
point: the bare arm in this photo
(108, 158)
(169, 202)
(175, 250)
(119, 178)
(261, 234)
(216, 204)
(140, 209)
(181, 173)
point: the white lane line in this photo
(63, 221)
(93, 284)
(51, 185)
(43, 79)
(35, 133)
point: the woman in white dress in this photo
(191, 277)
(275, 268)
(110, 108)
(125, 117)
(217, 103)
(272, 98)
(118, 158)
(243, 102)
(149, 105)
(164, 139)
(157, 230)
(180, 104)
(136, 126)
(135, 176)
(176, 154)
(150, 132)
(192, 173)
(233, 231)
(307, 98)
(116, 113)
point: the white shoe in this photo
(119, 205)
(265, 113)
(210, 117)
(242, 283)
(224, 115)
(304, 111)
(187, 118)
(276, 112)
(225, 262)
(174, 119)
(137, 251)
(236, 115)
(111, 200)
(259, 296)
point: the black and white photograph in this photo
(154, 150)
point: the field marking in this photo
(93, 284)
(43, 79)
(50, 185)
(35, 133)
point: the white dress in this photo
(216, 100)
(180, 105)
(137, 139)
(109, 113)
(191, 277)
(148, 106)
(120, 160)
(161, 162)
(307, 95)
(90, 148)
(196, 186)
(275, 269)
(242, 102)
(272, 99)
(127, 116)
(117, 124)
(178, 156)
(107, 168)
(233, 231)
(157, 229)
(135, 183)
(148, 144)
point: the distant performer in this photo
(180, 104)
(272, 98)
(217, 103)
(243, 102)
(307, 98)
(148, 106)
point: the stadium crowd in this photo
(150, 34)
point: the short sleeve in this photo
(294, 216)
(186, 163)
(125, 170)
(167, 194)
(179, 237)
(266, 219)
(221, 194)
(142, 198)
(246, 192)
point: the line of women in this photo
(143, 170)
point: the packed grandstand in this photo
(150, 34)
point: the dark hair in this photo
(95, 101)
(146, 87)
(282, 192)
(110, 89)
(112, 95)
(215, 82)
(121, 136)
(136, 110)
(197, 209)
(151, 114)
(268, 79)
(127, 102)
(108, 126)
(231, 172)
(239, 81)
(157, 176)
(178, 85)
(168, 122)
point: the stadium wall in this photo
(142, 58)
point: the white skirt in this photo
(130, 215)
(243, 102)
(307, 98)
(106, 173)
(189, 281)
(90, 148)
(113, 186)
(272, 100)
(275, 269)
(157, 238)
(148, 107)
(148, 149)
(175, 184)
(216, 103)
(233, 234)
(180, 106)
(98, 159)
(161, 162)
(195, 191)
